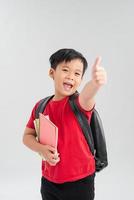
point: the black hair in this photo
(67, 55)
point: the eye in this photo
(65, 70)
(77, 74)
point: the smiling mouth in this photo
(67, 86)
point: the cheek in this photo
(78, 82)
(57, 77)
(58, 80)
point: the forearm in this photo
(89, 91)
(31, 142)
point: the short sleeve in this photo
(30, 123)
(88, 114)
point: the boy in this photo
(69, 173)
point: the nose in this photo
(70, 76)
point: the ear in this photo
(51, 73)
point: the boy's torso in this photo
(76, 161)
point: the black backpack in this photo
(93, 132)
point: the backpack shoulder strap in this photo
(42, 105)
(86, 129)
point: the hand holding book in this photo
(47, 134)
(50, 154)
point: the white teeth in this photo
(67, 83)
(67, 86)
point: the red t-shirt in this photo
(76, 160)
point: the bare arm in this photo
(99, 78)
(29, 139)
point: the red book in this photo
(48, 131)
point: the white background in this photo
(30, 31)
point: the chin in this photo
(69, 93)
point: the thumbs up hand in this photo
(99, 75)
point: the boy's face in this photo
(67, 77)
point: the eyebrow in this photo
(78, 70)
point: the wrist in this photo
(41, 148)
(95, 86)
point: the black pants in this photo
(82, 189)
